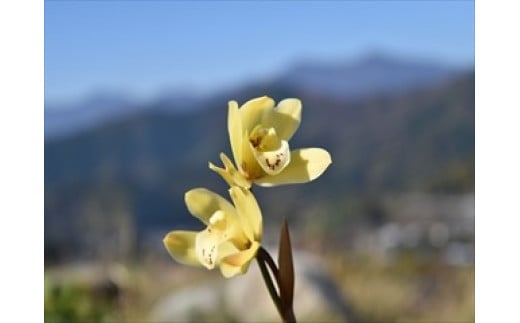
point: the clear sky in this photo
(146, 47)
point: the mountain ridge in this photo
(369, 75)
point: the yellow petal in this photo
(248, 212)
(230, 174)
(202, 203)
(306, 165)
(238, 263)
(253, 110)
(249, 165)
(181, 246)
(238, 178)
(225, 249)
(235, 131)
(229, 271)
(223, 173)
(285, 118)
(227, 227)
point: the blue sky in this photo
(146, 48)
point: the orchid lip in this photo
(271, 153)
(273, 162)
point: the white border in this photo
(497, 162)
(21, 168)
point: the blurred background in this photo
(136, 106)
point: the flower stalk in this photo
(269, 282)
(286, 312)
(284, 275)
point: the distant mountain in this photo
(371, 75)
(64, 119)
(135, 170)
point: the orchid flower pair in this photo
(259, 134)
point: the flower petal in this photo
(235, 131)
(285, 118)
(253, 110)
(249, 165)
(225, 249)
(229, 271)
(181, 246)
(229, 173)
(238, 263)
(223, 173)
(306, 165)
(248, 212)
(202, 203)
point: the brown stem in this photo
(269, 283)
(267, 258)
(262, 256)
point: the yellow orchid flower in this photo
(259, 135)
(231, 238)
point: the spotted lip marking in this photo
(276, 163)
(209, 258)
